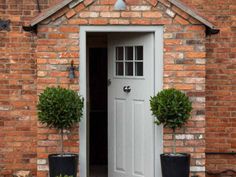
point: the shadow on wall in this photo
(225, 173)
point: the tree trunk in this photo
(62, 146)
(174, 141)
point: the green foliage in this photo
(60, 108)
(171, 107)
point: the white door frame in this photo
(158, 85)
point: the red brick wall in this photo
(221, 100)
(184, 64)
(18, 128)
(18, 94)
(220, 83)
(23, 141)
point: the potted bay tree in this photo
(172, 108)
(61, 109)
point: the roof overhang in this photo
(32, 26)
(210, 28)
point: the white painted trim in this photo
(83, 92)
(158, 84)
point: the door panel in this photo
(130, 124)
(119, 134)
(138, 136)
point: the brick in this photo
(46, 42)
(135, 2)
(140, 21)
(184, 48)
(174, 55)
(56, 36)
(41, 162)
(58, 74)
(42, 168)
(88, 2)
(180, 20)
(184, 87)
(195, 55)
(110, 14)
(88, 14)
(152, 14)
(157, 21)
(140, 8)
(173, 42)
(153, 2)
(69, 29)
(69, 55)
(170, 13)
(173, 67)
(80, 7)
(185, 149)
(46, 55)
(70, 13)
(101, 8)
(107, 2)
(185, 35)
(184, 136)
(130, 14)
(168, 36)
(195, 28)
(101, 21)
(47, 143)
(53, 137)
(46, 80)
(78, 21)
(119, 21)
(41, 61)
(59, 61)
(196, 168)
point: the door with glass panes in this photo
(130, 123)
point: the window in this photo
(129, 61)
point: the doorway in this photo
(98, 133)
(137, 104)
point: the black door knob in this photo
(126, 89)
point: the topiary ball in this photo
(59, 108)
(171, 107)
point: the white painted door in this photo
(130, 123)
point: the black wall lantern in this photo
(72, 69)
(4, 25)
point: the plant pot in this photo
(175, 165)
(65, 165)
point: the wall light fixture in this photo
(120, 5)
